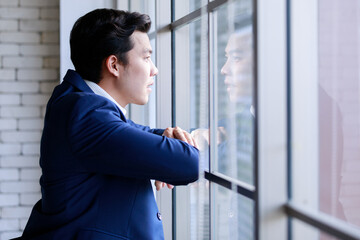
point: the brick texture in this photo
(29, 71)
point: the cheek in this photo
(135, 77)
(142, 71)
(237, 70)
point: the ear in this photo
(112, 65)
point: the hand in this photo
(159, 185)
(180, 134)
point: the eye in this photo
(147, 58)
(236, 58)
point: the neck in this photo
(109, 86)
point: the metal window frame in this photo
(321, 221)
(164, 113)
(242, 188)
(271, 116)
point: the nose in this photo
(154, 71)
(225, 68)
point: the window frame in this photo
(273, 27)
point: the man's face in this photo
(134, 84)
(238, 66)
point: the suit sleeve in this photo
(104, 143)
(157, 131)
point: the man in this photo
(96, 164)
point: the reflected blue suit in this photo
(97, 167)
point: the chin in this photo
(142, 102)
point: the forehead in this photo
(239, 43)
(141, 41)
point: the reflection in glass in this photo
(234, 215)
(233, 45)
(192, 112)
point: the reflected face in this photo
(238, 66)
(137, 77)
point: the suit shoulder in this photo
(84, 100)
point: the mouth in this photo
(149, 86)
(230, 86)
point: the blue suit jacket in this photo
(96, 170)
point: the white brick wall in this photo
(9, 3)
(9, 200)
(29, 70)
(9, 49)
(19, 13)
(8, 25)
(19, 37)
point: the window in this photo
(272, 97)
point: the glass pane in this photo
(233, 215)
(193, 211)
(233, 75)
(191, 114)
(326, 113)
(184, 7)
(303, 231)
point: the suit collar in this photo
(75, 79)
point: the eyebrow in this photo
(236, 51)
(147, 50)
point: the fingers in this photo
(159, 185)
(179, 134)
(195, 143)
(189, 138)
(169, 132)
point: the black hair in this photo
(101, 33)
